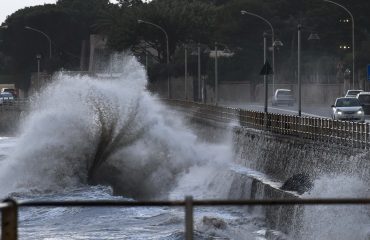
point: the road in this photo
(307, 110)
(311, 111)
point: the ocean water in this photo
(105, 137)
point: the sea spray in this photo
(104, 129)
(336, 221)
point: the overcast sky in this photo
(7, 7)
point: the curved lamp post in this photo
(312, 36)
(264, 57)
(168, 51)
(353, 38)
(36, 30)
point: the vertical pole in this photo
(188, 218)
(186, 73)
(49, 48)
(265, 76)
(146, 59)
(9, 225)
(299, 70)
(199, 85)
(353, 52)
(168, 67)
(273, 62)
(216, 75)
(38, 73)
(111, 65)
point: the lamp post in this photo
(272, 40)
(277, 44)
(313, 36)
(299, 71)
(36, 30)
(38, 58)
(4, 27)
(168, 53)
(353, 38)
(186, 71)
(199, 74)
(265, 75)
(216, 74)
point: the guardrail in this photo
(17, 104)
(352, 134)
(10, 208)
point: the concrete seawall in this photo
(9, 122)
(281, 157)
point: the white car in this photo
(348, 109)
(283, 96)
(353, 92)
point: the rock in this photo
(214, 222)
(299, 183)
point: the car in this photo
(6, 98)
(10, 90)
(353, 93)
(283, 96)
(364, 99)
(347, 109)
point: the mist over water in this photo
(336, 221)
(99, 130)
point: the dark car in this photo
(364, 99)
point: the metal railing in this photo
(10, 208)
(345, 133)
(18, 104)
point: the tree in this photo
(182, 20)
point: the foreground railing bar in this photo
(4, 205)
(114, 203)
(10, 213)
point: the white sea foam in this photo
(114, 124)
(336, 221)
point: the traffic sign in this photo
(368, 72)
(266, 69)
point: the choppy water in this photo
(99, 138)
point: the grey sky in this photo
(7, 7)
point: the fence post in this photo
(9, 224)
(189, 218)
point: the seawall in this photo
(9, 121)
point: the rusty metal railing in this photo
(10, 208)
(345, 133)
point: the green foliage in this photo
(68, 22)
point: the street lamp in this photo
(186, 72)
(36, 30)
(264, 51)
(4, 26)
(272, 42)
(38, 58)
(353, 39)
(226, 49)
(277, 44)
(312, 36)
(168, 52)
